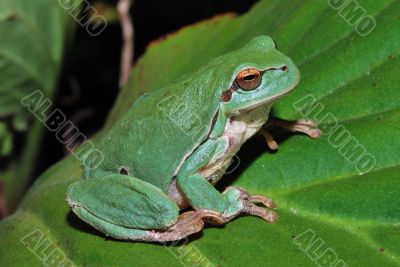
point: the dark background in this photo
(88, 84)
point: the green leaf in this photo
(331, 207)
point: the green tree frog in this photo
(174, 144)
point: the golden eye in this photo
(249, 79)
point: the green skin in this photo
(175, 143)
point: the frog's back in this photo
(160, 130)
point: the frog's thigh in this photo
(111, 229)
(119, 203)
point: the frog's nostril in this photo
(284, 68)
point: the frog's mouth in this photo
(259, 104)
(270, 100)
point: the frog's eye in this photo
(248, 79)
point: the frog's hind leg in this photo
(125, 207)
(188, 223)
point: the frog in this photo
(162, 159)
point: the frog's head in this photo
(259, 75)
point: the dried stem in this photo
(128, 42)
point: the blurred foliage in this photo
(31, 51)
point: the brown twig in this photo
(128, 36)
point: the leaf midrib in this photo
(320, 182)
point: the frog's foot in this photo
(307, 127)
(245, 203)
(188, 223)
(250, 206)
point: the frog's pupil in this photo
(250, 77)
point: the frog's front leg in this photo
(202, 195)
(307, 127)
(125, 207)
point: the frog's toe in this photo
(269, 139)
(252, 209)
(266, 201)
